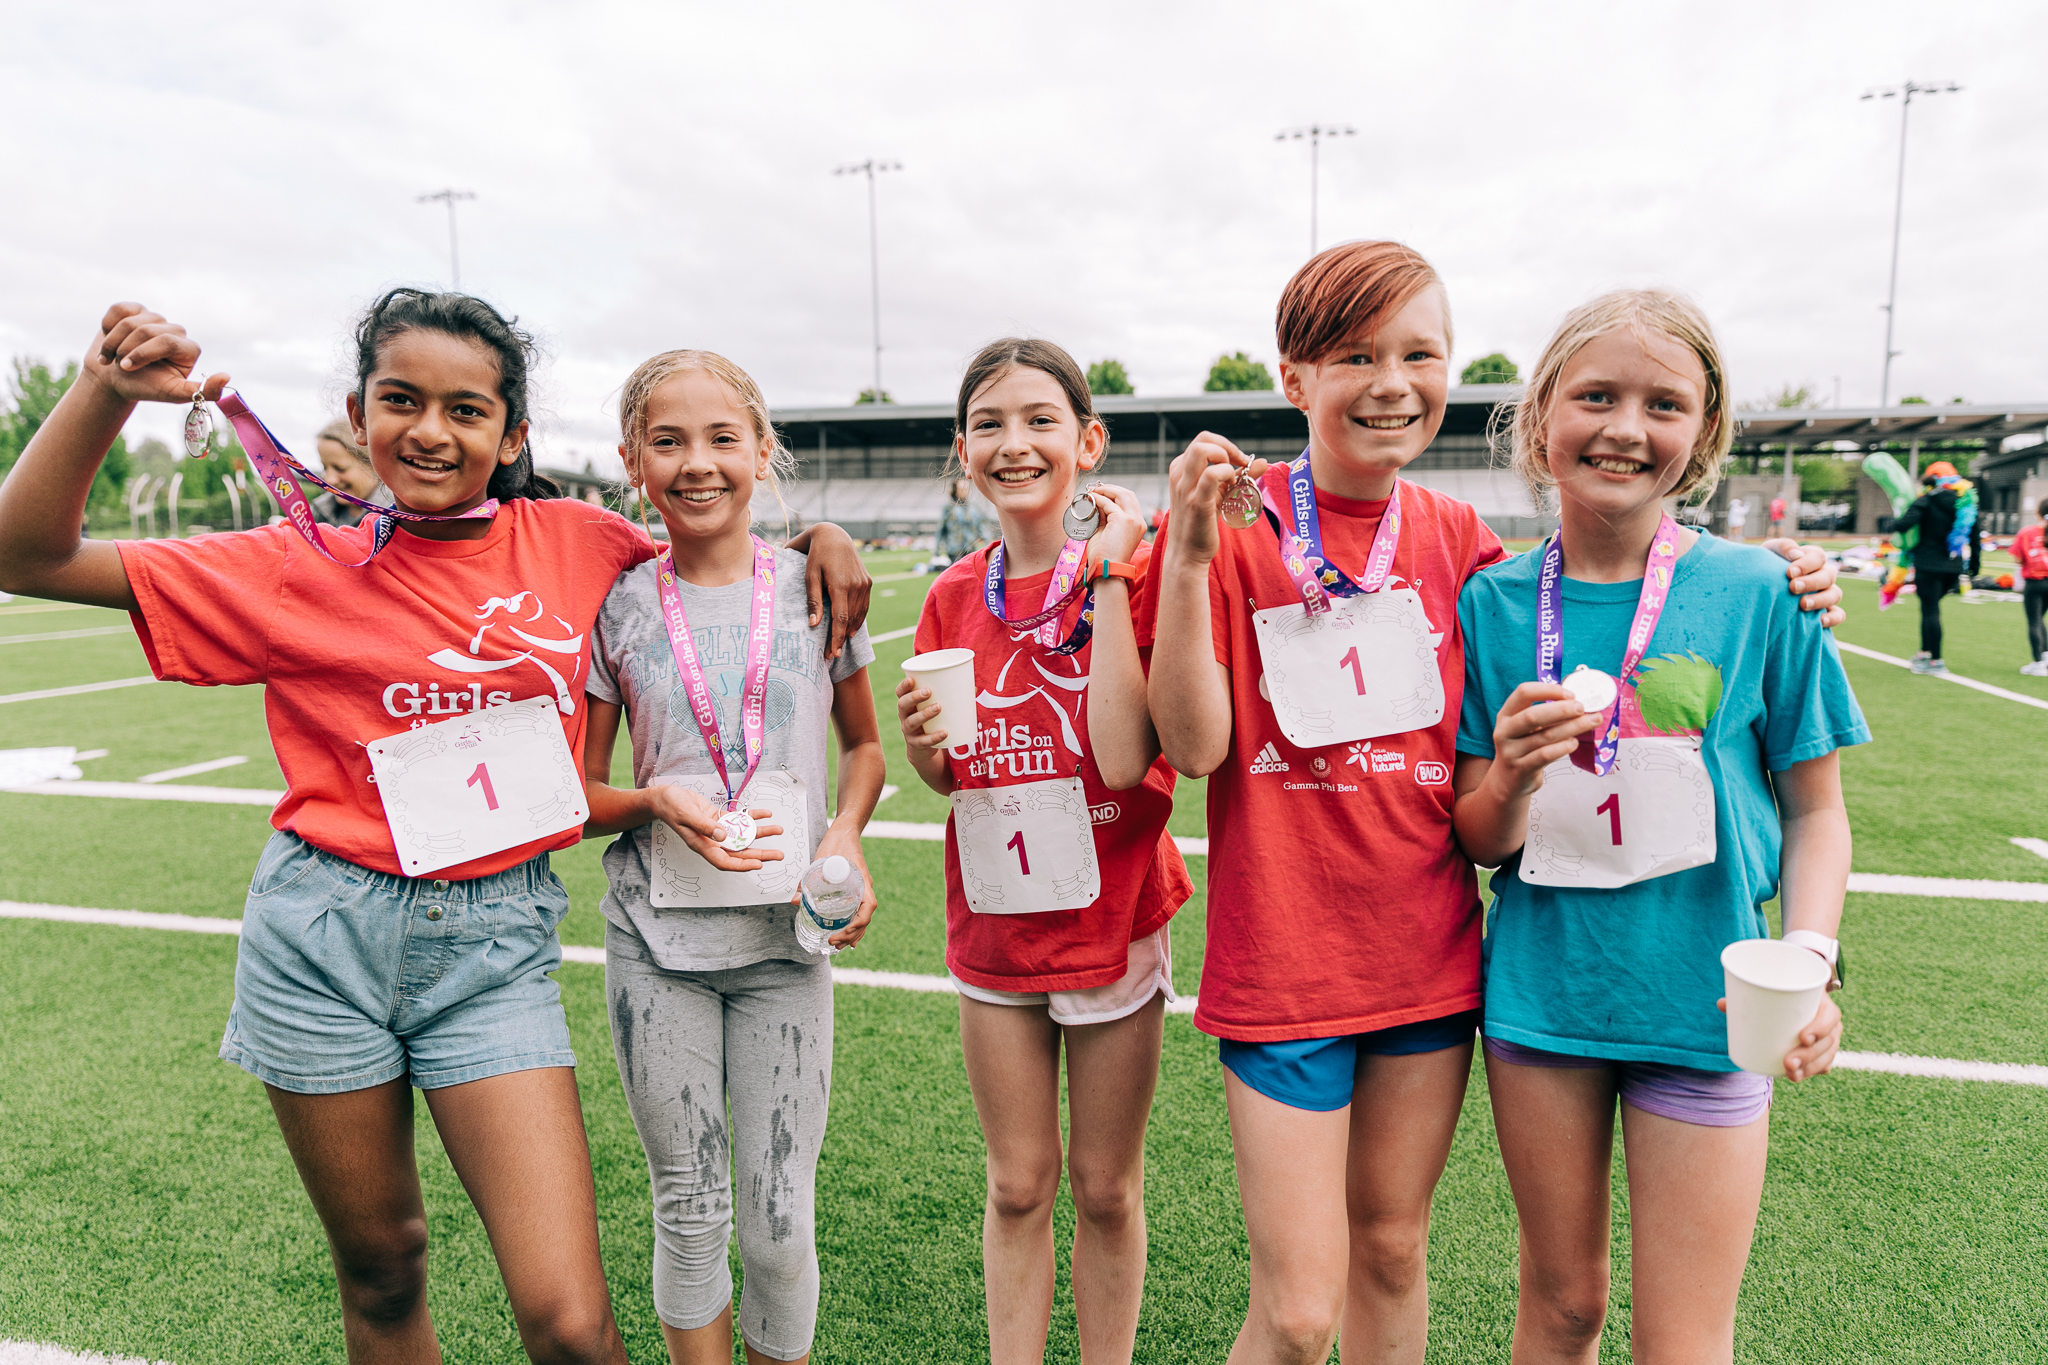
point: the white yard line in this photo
(1953, 888)
(79, 690)
(1985, 687)
(2037, 847)
(138, 791)
(34, 1353)
(884, 638)
(53, 606)
(194, 769)
(64, 635)
(1892, 1063)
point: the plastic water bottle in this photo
(831, 898)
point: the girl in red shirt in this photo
(1059, 885)
(400, 927)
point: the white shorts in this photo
(1150, 972)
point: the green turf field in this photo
(147, 1206)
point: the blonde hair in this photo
(657, 370)
(1523, 428)
(344, 435)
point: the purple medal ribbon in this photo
(280, 474)
(1657, 572)
(1066, 584)
(754, 688)
(1301, 542)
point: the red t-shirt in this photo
(2030, 550)
(352, 655)
(1339, 902)
(1043, 734)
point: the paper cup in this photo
(1773, 990)
(949, 673)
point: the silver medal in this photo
(1594, 689)
(1082, 518)
(198, 430)
(737, 827)
(1240, 505)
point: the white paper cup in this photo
(949, 673)
(1773, 989)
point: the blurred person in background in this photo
(963, 528)
(1945, 550)
(1778, 518)
(347, 467)
(2030, 548)
(1738, 519)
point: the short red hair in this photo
(1347, 290)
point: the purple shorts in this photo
(1711, 1099)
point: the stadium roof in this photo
(1242, 415)
(1266, 412)
(1908, 422)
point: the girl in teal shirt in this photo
(1635, 841)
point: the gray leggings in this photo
(756, 1039)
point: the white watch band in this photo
(1829, 948)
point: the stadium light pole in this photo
(448, 197)
(1314, 133)
(1904, 95)
(871, 168)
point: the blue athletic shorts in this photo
(347, 978)
(1319, 1074)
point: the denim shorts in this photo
(1319, 1074)
(348, 978)
(1708, 1099)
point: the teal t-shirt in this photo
(1632, 974)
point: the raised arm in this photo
(1120, 733)
(834, 577)
(137, 357)
(1189, 691)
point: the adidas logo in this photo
(1269, 760)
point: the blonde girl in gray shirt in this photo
(721, 1022)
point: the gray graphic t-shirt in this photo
(631, 665)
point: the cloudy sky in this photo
(659, 175)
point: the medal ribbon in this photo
(1657, 571)
(1067, 583)
(753, 690)
(1301, 542)
(280, 473)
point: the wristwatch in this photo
(1830, 950)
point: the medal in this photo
(1240, 504)
(737, 830)
(1082, 518)
(198, 429)
(1595, 690)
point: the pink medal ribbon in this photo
(1657, 573)
(280, 473)
(1066, 583)
(737, 824)
(1301, 542)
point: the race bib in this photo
(1026, 849)
(1651, 815)
(1365, 668)
(680, 878)
(477, 784)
